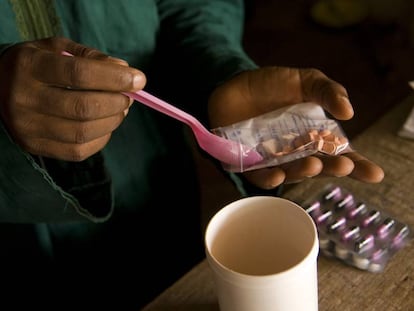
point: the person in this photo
(99, 195)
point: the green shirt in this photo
(139, 194)
(198, 47)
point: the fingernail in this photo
(346, 101)
(126, 112)
(137, 82)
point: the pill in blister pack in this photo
(354, 231)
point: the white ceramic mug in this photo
(263, 253)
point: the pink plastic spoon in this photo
(227, 151)
(224, 150)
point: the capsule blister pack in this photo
(355, 231)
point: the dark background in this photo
(373, 59)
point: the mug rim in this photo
(309, 257)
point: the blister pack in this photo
(355, 231)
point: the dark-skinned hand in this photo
(256, 92)
(63, 107)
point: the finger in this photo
(60, 45)
(78, 105)
(302, 168)
(131, 101)
(64, 151)
(266, 178)
(331, 95)
(338, 166)
(84, 73)
(365, 170)
(66, 131)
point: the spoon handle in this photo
(163, 107)
(166, 108)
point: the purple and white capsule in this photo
(323, 217)
(360, 209)
(346, 202)
(313, 208)
(400, 237)
(342, 252)
(325, 243)
(360, 262)
(333, 194)
(337, 225)
(378, 260)
(350, 234)
(372, 218)
(379, 255)
(364, 243)
(385, 228)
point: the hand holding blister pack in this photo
(285, 135)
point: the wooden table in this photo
(342, 287)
